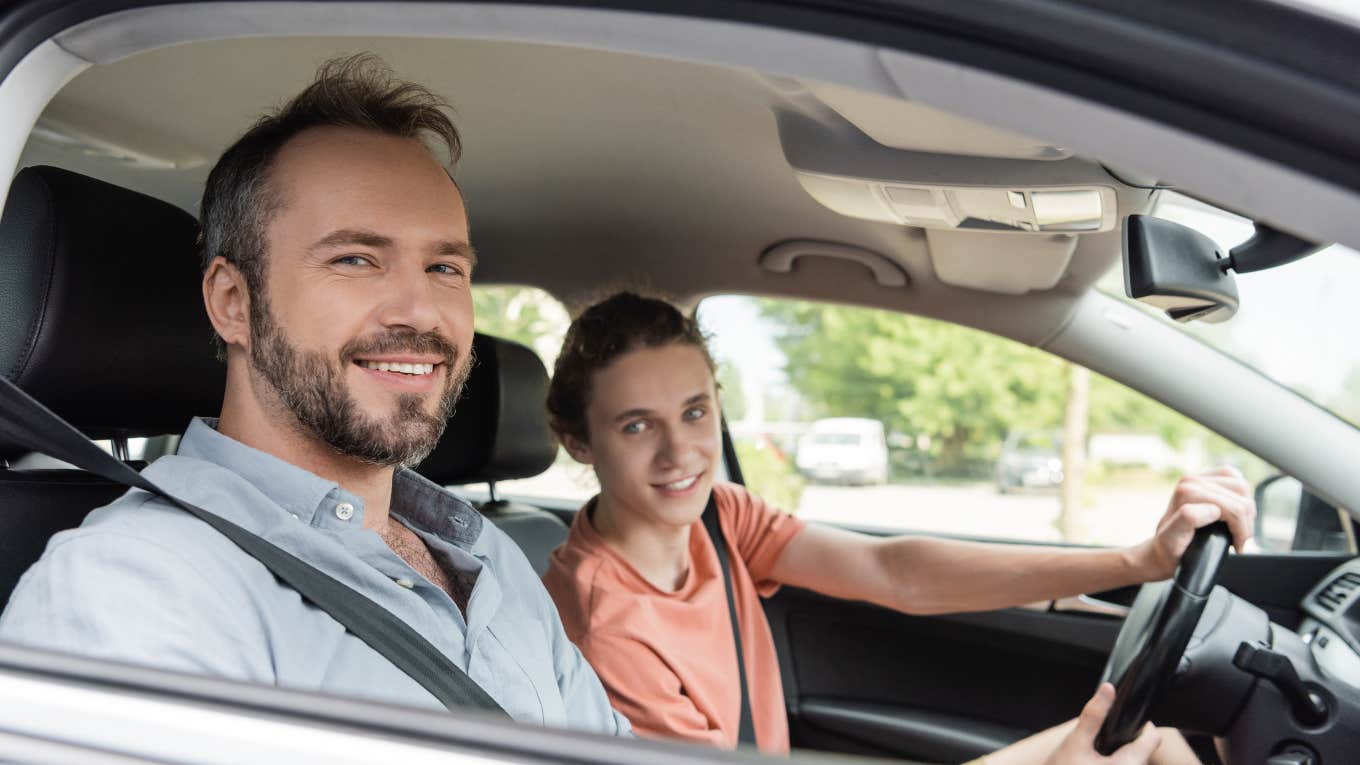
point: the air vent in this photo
(1338, 591)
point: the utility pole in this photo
(1071, 524)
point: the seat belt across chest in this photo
(26, 422)
(746, 729)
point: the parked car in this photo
(1030, 459)
(844, 450)
(976, 163)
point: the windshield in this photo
(1294, 323)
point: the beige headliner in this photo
(584, 170)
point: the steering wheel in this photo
(1155, 634)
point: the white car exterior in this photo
(844, 449)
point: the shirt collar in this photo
(432, 508)
(295, 490)
(301, 493)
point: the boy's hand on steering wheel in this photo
(1079, 747)
(1198, 500)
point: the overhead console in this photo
(969, 208)
(891, 161)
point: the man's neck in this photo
(257, 425)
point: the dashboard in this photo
(1332, 627)
(1293, 696)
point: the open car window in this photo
(885, 421)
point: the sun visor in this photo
(998, 262)
(1005, 224)
(898, 123)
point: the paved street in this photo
(1117, 516)
(1112, 516)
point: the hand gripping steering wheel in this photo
(1155, 634)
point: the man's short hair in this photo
(356, 91)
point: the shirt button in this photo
(296, 517)
(407, 583)
(344, 511)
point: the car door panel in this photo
(888, 728)
(863, 679)
(1014, 671)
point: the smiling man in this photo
(337, 269)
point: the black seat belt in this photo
(746, 733)
(25, 422)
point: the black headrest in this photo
(101, 313)
(101, 319)
(500, 429)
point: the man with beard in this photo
(337, 272)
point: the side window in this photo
(534, 318)
(879, 420)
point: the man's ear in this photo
(227, 301)
(578, 448)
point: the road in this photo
(1110, 516)
(1113, 516)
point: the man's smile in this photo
(403, 367)
(408, 374)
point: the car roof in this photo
(661, 173)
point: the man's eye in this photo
(352, 260)
(695, 413)
(635, 427)
(451, 269)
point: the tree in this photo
(1076, 422)
(524, 315)
(1115, 407)
(731, 392)
(963, 388)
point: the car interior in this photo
(751, 162)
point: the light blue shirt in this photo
(144, 582)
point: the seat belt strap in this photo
(26, 422)
(746, 733)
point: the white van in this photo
(844, 450)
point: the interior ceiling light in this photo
(979, 208)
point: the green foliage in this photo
(770, 475)
(1117, 408)
(523, 314)
(963, 388)
(731, 392)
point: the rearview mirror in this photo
(1176, 269)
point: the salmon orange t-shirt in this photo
(667, 658)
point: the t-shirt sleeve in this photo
(644, 689)
(758, 531)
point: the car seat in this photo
(102, 320)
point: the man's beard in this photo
(314, 390)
